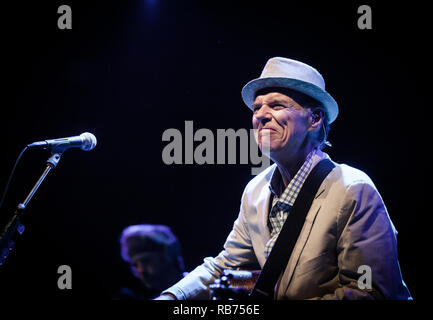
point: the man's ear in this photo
(316, 118)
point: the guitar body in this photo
(234, 284)
(242, 278)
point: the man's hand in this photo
(166, 296)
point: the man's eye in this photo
(278, 106)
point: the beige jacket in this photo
(346, 229)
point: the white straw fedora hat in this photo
(287, 73)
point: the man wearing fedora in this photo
(347, 235)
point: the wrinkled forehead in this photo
(272, 97)
(285, 94)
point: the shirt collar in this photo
(288, 195)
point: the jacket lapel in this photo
(303, 237)
(263, 209)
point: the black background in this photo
(128, 70)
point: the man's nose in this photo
(263, 114)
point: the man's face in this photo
(282, 124)
(152, 269)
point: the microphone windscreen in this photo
(89, 141)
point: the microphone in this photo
(85, 141)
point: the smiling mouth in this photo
(269, 129)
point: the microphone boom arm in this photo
(14, 225)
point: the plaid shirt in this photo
(281, 205)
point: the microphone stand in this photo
(14, 225)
